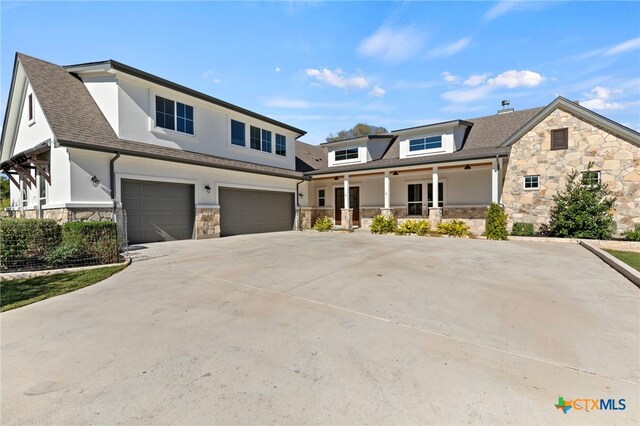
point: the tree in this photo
(360, 129)
(496, 223)
(583, 209)
(5, 195)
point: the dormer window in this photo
(347, 154)
(422, 144)
(173, 115)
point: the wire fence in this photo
(41, 244)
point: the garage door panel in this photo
(250, 211)
(158, 211)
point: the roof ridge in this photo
(506, 115)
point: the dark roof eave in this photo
(134, 153)
(442, 123)
(399, 164)
(180, 88)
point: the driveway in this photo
(330, 328)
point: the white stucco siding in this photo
(104, 90)
(136, 117)
(60, 188)
(31, 132)
(363, 154)
(468, 187)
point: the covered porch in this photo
(463, 190)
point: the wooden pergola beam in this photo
(25, 175)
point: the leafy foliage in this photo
(523, 229)
(323, 224)
(25, 242)
(383, 224)
(5, 194)
(409, 226)
(92, 242)
(583, 209)
(360, 129)
(454, 228)
(632, 234)
(496, 223)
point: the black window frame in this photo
(421, 144)
(186, 119)
(281, 145)
(255, 138)
(414, 207)
(347, 153)
(531, 177)
(266, 143)
(235, 141)
(321, 197)
(169, 117)
(30, 105)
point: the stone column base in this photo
(386, 212)
(435, 215)
(347, 218)
(305, 218)
(207, 223)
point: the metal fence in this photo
(40, 244)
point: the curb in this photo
(625, 270)
(28, 274)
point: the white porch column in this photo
(435, 212)
(387, 191)
(346, 191)
(494, 181)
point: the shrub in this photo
(583, 209)
(496, 223)
(523, 229)
(632, 234)
(407, 227)
(422, 227)
(24, 243)
(383, 224)
(323, 224)
(86, 243)
(455, 228)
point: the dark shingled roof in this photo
(76, 121)
(310, 157)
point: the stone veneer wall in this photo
(472, 216)
(617, 160)
(207, 223)
(309, 215)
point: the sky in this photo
(326, 66)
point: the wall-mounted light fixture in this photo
(300, 194)
(208, 188)
(395, 173)
(467, 167)
(335, 178)
(95, 181)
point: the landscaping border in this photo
(624, 269)
(28, 274)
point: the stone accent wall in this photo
(89, 215)
(207, 223)
(617, 160)
(464, 212)
(309, 215)
(59, 215)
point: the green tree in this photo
(360, 129)
(583, 209)
(5, 196)
(496, 223)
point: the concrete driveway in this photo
(330, 328)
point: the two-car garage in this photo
(162, 211)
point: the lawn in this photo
(630, 258)
(24, 291)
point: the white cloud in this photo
(450, 49)
(501, 8)
(476, 79)
(600, 98)
(337, 78)
(513, 79)
(277, 69)
(377, 91)
(623, 47)
(466, 95)
(211, 76)
(449, 78)
(392, 45)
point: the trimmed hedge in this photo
(35, 244)
(496, 223)
(523, 229)
(383, 225)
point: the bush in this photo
(383, 225)
(422, 228)
(24, 243)
(583, 210)
(455, 228)
(523, 229)
(323, 224)
(409, 226)
(86, 242)
(496, 223)
(632, 234)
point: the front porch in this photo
(462, 190)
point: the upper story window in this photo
(30, 105)
(321, 198)
(559, 139)
(255, 138)
(238, 133)
(260, 139)
(266, 140)
(174, 115)
(346, 154)
(590, 178)
(425, 143)
(281, 145)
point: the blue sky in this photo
(325, 66)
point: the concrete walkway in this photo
(293, 328)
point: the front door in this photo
(354, 203)
(440, 194)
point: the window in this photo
(266, 140)
(30, 102)
(440, 194)
(255, 138)
(281, 145)
(531, 182)
(590, 178)
(237, 133)
(559, 139)
(414, 197)
(347, 154)
(25, 195)
(321, 198)
(174, 115)
(42, 188)
(425, 143)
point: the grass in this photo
(24, 291)
(630, 258)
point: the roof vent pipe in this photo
(505, 107)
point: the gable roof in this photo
(310, 157)
(578, 110)
(77, 122)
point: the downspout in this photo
(112, 178)
(298, 228)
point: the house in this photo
(105, 140)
